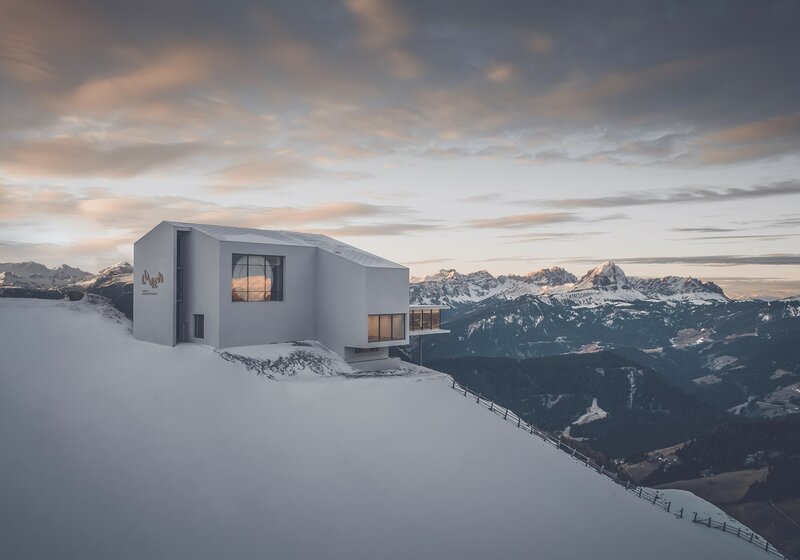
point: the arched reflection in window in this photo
(256, 278)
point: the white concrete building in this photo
(229, 286)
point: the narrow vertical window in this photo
(386, 327)
(373, 329)
(398, 326)
(199, 326)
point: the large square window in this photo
(256, 278)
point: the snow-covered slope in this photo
(606, 283)
(120, 273)
(115, 448)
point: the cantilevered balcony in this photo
(425, 319)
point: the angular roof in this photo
(280, 237)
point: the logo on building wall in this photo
(152, 281)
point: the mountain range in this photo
(35, 275)
(32, 279)
(738, 355)
(603, 284)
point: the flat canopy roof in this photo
(428, 306)
(281, 237)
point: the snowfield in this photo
(115, 448)
(594, 412)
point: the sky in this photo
(508, 136)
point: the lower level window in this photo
(386, 327)
(199, 326)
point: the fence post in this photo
(505, 416)
(559, 442)
(465, 391)
(709, 520)
(669, 505)
(724, 526)
(627, 485)
(751, 536)
(766, 546)
(519, 421)
(681, 517)
(531, 429)
(738, 531)
(695, 517)
(640, 491)
(454, 383)
(655, 498)
(491, 406)
(478, 398)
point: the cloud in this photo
(555, 236)
(768, 129)
(482, 198)
(517, 221)
(273, 172)
(105, 208)
(382, 25)
(693, 195)
(756, 237)
(538, 42)
(586, 96)
(711, 260)
(22, 57)
(77, 158)
(428, 261)
(104, 224)
(167, 72)
(772, 137)
(703, 230)
(501, 72)
(379, 229)
(384, 29)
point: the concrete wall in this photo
(387, 292)
(342, 311)
(154, 307)
(294, 318)
(201, 285)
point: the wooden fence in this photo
(648, 494)
(749, 536)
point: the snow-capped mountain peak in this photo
(554, 276)
(606, 283)
(607, 276)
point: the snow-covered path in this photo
(114, 448)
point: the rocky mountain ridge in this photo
(606, 283)
(31, 274)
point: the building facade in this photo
(228, 287)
